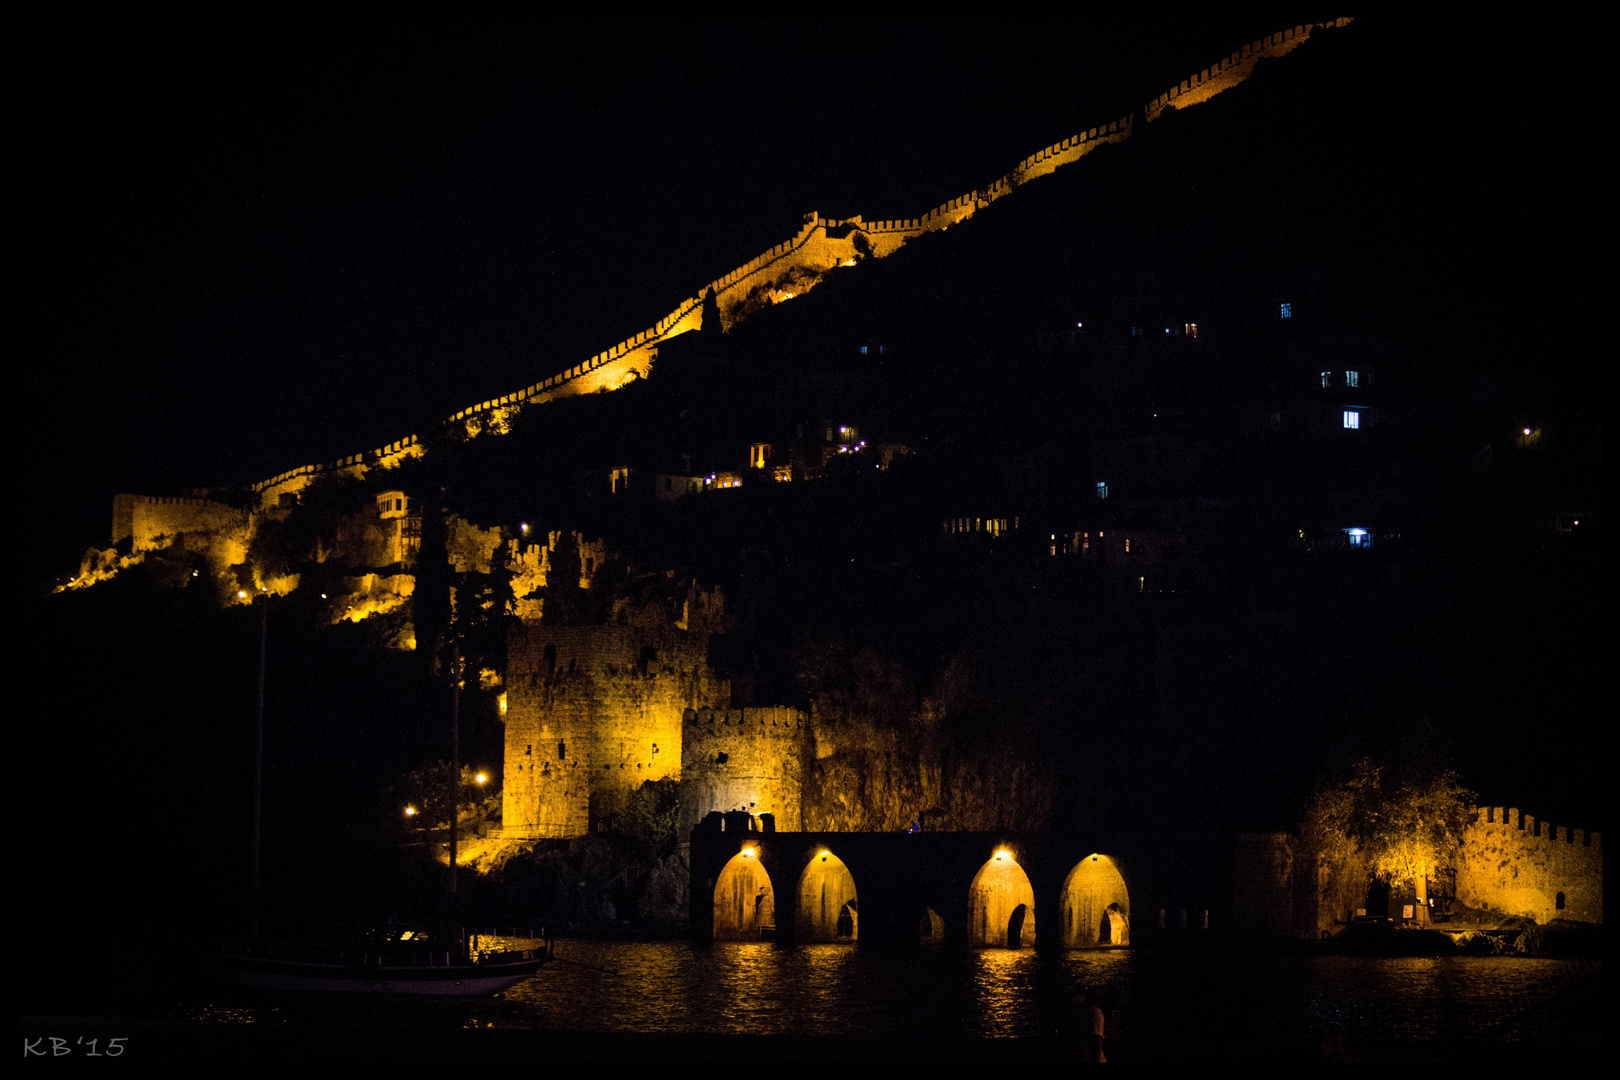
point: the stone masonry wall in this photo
(1517, 865)
(1508, 863)
(593, 712)
(744, 759)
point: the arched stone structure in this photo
(1096, 905)
(998, 890)
(744, 900)
(930, 927)
(826, 899)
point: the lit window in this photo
(1352, 378)
(1127, 545)
(1191, 329)
(1327, 379)
(863, 350)
(1286, 311)
(1102, 490)
(1352, 418)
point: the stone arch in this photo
(930, 927)
(744, 900)
(998, 890)
(1096, 905)
(826, 900)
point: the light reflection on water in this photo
(1158, 1004)
(756, 987)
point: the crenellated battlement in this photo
(1515, 863)
(1510, 819)
(744, 759)
(793, 266)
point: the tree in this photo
(1406, 822)
(711, 325)
(423, 796)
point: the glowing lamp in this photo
(481, 778)
(1527, 431)
(410, 811)
(241, 595)
(1002, 854)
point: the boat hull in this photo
(453, 980)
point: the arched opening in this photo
(744, 902)
(1113, 930)
(1015, 927)
(1000, 889)
(828, 910)
(1096, 906)
(932, 927)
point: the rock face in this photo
(867, 778)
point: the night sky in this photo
(251, 246)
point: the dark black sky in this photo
(248, 246)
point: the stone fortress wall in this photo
(1513, 863)
(744, 759)
(592, 713)
(793, 266)
(1509, 863)
(151, 522)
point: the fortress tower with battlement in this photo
(594, 712)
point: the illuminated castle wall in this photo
(744, 759)
(1512, 862)
(778, 274)
(796, 265)
(592, 713)
(1508, 863)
